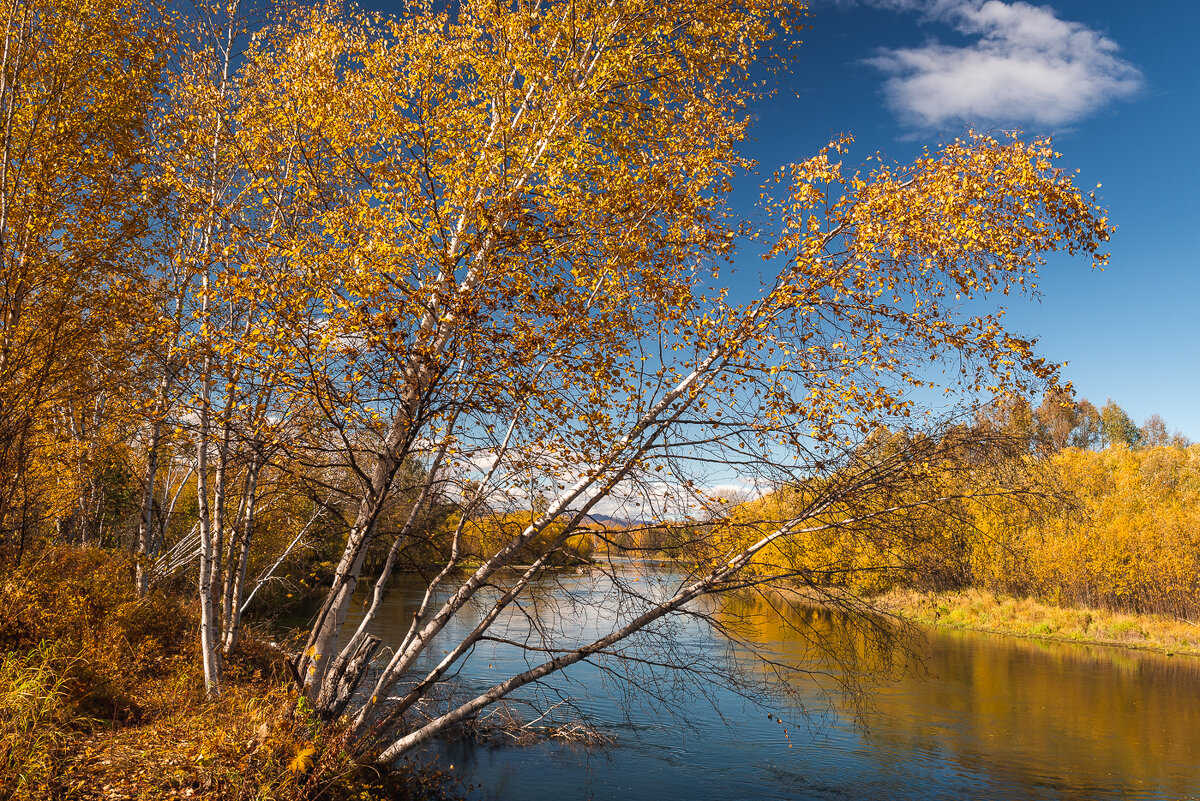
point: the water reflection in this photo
(1080, 719)
(976, 716)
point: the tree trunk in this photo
(208, 623)
(146, 547)
(322, 643)
(349, 678)
(218, 509)
(236, 581)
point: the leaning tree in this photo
(505, 225)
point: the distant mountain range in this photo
(622, 522)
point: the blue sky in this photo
(1116, 83)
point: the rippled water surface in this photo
(978, 716)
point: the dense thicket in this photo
(1084, 508)
(1124, 535)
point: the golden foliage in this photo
(1115, 529)
(1130, 540)
(75, 216)
(115, 707)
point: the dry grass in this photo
(982, 610)
(244, 747)
(101, 697)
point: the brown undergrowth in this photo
(101, 698)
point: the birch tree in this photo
(206, 315)
(239, 188)
(77, 83)
(508, 271)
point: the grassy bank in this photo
(101, 696)
(981, 610)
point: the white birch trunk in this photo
(238, 558)
(208, 611)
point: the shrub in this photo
(34, 708)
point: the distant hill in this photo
(609, 521)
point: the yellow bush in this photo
(1128, 540)
(1116, 529)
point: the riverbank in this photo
(981, 610)
(102, 697)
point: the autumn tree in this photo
(1013, 416)
(1117, 427)
(1154, 432)
(498, 256)
(1057, 421)
(77, 83)
(1086, 433)
(222, 280)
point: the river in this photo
(965, 715)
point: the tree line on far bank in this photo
(1102, 513)
(1060, 421)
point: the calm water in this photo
(975, 716)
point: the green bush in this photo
(34, 708)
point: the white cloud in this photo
(641, 498)
(1027, 66)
